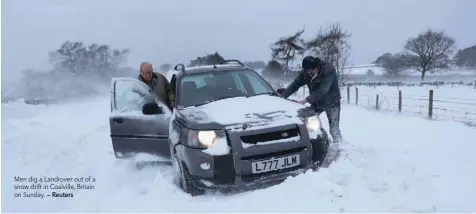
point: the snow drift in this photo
(48, 87)
(389, 164)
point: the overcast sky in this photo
(162, 31)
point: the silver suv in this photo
(228, 129)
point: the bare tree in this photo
(341, 58)
(287, 48)
(331, 45)
(429, 51)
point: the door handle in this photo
(117, 120)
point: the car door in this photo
(132, 132)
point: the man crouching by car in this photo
(324, 93)
(157, 82)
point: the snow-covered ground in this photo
(389, 164)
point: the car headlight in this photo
(313, 124)
(203, 139)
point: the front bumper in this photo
(234, 170)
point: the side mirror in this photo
(281, 90)
(152, 108)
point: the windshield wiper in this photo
(221, 98)
(269, 93)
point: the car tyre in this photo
(322, 151)
(183, 179)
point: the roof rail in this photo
(232, 60)
(180, 67)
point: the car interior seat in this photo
(187, 93)
(228, 88)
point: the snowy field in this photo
(456, 103)
(449, 102)
(387, 165)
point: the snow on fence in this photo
(433, 104)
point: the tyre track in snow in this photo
(375, 173)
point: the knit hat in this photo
(310, 63)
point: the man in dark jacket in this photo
(324, 94)
(158, 83)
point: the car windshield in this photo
(202, 88)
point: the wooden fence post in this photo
(348, 94)
(356, 96)
(430, 105)
(376, 102)
(399, 100)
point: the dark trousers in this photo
(333, 116)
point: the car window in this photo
(198, 89)
(258, 85)
(199, 80)
(239, 83)
(131, 95)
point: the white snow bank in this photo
(53, 86)
(390, 164)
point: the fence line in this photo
(428, 106)
(407, 103)
(436, 84)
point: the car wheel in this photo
(183, 179)
(177, 172)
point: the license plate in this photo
(275, 164)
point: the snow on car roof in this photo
(203, 68)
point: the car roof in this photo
(211, 68)
(225, 66)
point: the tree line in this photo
(329, 43)
(93, 59)
(428, 51)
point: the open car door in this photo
(133, 132)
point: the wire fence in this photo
(433, 107)
(432, 104)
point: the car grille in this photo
(270, 136)
(274, 154)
